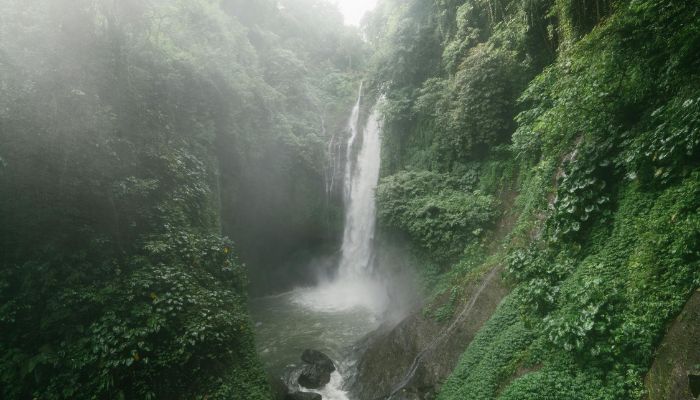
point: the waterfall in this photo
(354, 128)
(334, 147)
(355, 291)
(355, 284)
(361, 179)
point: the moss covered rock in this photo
(676, 369)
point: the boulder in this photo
(314, 377)
(318, 359)
(303, 396)
(316, 372)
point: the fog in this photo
(354, 10)
(162, 163)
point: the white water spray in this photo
(355, 284)
(361, 180)
(354, 128)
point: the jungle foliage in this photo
(559, 139)
(133, 136)
(437, 211)
(588, 111)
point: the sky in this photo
(353, 10)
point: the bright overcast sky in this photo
(353, 10)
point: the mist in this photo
(167, 157)
(349, 200)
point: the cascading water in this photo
(355, 284)
(360, 183)
(354, 128)
(335, 162)
(336, 313)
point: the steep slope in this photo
(590, 112)
(414, 357)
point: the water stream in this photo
(286, 328)
(333, 315)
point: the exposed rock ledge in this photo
(675, 373)
(411, 359)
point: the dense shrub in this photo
(438, 212)
(605, 249)
(132, 136)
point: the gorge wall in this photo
(589, 113)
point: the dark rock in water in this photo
(314, 377)
(318, 359)
(303, 396)
(317, 371)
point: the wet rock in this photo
(314, 377)
(674, 374)
(318, 359)
(317, 371)
(412, 358)
(303, 396)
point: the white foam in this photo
(344, 295)
(355, 284)
(333, 390)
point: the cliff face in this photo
(589, 111)
(412, 359)
(675, 373)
